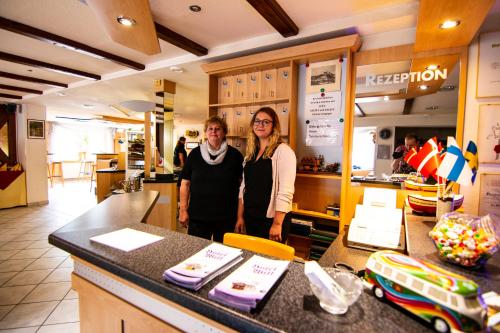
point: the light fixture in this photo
(126, 21)
(176, 69)
(29, 70)
(434, 107)
(60, 94)
(447, 88)
(386, 98)
(423, 87)
(432, 67)
(195, 8)
(88, 106)
(449, 24)
(139, 105)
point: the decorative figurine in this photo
(446, 300)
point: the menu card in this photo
(249, 284)
(203, 266)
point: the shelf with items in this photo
(135, 150)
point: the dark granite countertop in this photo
(110, 170)
(291, 306)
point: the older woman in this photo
(267, 189)
(209, 186)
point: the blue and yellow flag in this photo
(472, 159)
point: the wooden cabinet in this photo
(226, 85)
(283, 82)
(240, 88)
(240, 121)
(282, 110)
(253, 86)
(228, 115)
(268, 84)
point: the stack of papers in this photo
(126, 239)
(248, 285)
(194, 272)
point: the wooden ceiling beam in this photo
(408, 105)
(180, 41)
(10, 96)
(45, 65)
(272, 12)
(14, 88)
(32, 79)
(122, 120)
(66, 43)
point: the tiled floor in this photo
(35, 287)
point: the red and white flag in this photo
(427, 159)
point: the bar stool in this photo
(57, 170)
(92, 175)
(49, 174)
(85, 165)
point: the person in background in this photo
(398, 164)
(180, 153)
(266, 192)
(210, 181)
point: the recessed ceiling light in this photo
(447, 88)
(432, 67)
(88, 106)
(423, 87)
(449, 24)
(126, 21)
(29, 70)
(434, 107)
(386, 98)
(176, 69)
(60, 94)
(195, 8)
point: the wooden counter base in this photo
(111, 304)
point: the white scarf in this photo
(206, 151)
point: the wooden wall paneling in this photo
(253, 85)
(316, 193)
(240, 88)
(283, 82)
(347, 145)
(282, 109)
(268, 84)
(240, 121)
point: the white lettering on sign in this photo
(386, 79)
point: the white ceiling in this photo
(225, 27)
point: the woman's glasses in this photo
(263, 122)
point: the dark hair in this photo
(411, 136)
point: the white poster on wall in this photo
(324, 105)
(324, 132)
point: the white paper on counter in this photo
(126, 239)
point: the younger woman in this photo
(266, 192)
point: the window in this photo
(453, 300)
(378, 266)
(387, 271)
(438, 294)
(401, 277)
(471, 302)
(418, 285)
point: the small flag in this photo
(454, 167)
(472, 159)
(427, 160)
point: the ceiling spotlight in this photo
(447, 88)
(430, 108)
(126, 21)
(423, 87)
(176, 69)
(432, 67)
(60, 94)
(449, 24)
(29, 70)
(88, 106)
(195, 8)
(386, 98)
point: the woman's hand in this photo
(239, 228)
(275, 232)
(184, 217)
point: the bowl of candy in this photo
(466, 240)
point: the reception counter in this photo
(124, 291)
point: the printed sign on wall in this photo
(324, 132)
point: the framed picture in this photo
(323, 76)
(489, 194)
(488, 65)
(488, 135)
(36, 129)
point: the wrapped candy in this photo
(464, 239)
